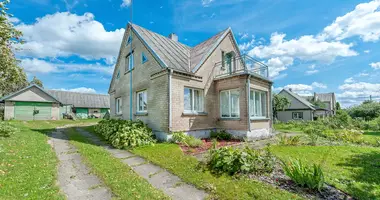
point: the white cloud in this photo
(125, 3)
(363, 74)
(14, 20)
(206, 3)
(243, 36)
(363, 21)
(375, 65)
(246, 45)
(349, 80)
(310, 72)
(65, 34)
(355, 93)
(299, 87)
(307, 48)
(318, 85)
(41, 66)
(80, 89)
(367, 51)
(278, 64)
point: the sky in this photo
(309, 46)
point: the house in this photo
(36, 103)
(175, 87)
(84, 105)
(326, 98)
(300, 108)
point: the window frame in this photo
(144, 92)
(252, 104)
(118, 74)
(143, 56)
(192, 100)
(130, 58)
(129, 40)
(299, 114)
(229, 104)
(118, 106)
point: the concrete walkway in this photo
(158, 177)
(74, 177)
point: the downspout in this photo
(170, 99)
(248, 101)
(270, 107)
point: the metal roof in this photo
(81, 100)
(25, 88)
(176, 55)
(325, 96)
(301, 99)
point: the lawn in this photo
(171, 157)
(372, 137)
(282, 127)
(353, 169)
(28, 164)
(119, 177)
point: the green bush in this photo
(291, 141)
(313, 134)
(188, 140)
(240, 161)
(125, 133)
(345, 135)
(6, 129)
(306, 176)
(220, 135)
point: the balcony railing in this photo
(241, 65)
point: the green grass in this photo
(171, 157)
(286, 129)
(27, 162)
(353, 169)
(120, 178)
(372, 137)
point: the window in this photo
(118, 74)
(142, 101)
(129, 40)
(193, 100)
(118, 105)
(258, 104)
(129, 62)
(229, 103)
(297, 115)
(144, 59)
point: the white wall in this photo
(287, 115)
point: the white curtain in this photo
(224, 103)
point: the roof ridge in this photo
(204, 41)
(76, 92)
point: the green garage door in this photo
(32, 111)
(82, 113)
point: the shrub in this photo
(6, 129)
(306, 176)
(188, 140)
(313, 133)
(125, 133)
(240, 161)
(220, 135)
(292, 141)
(345, 135)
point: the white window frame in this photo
(230, 104)
(252, 103)
(192, 101)
(130, 59)
(298, 115)
(118, 106)
(143, 92)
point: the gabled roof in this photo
(300, 99)
(325, 96)
(82, 100)
(26, 88)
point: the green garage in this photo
(32, 111)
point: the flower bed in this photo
(207, 144)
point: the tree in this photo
(279, 103)
(366, 111)
(337, 106)
(37, 81)
(12, 77)
(318, 103)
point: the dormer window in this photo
(144, 59)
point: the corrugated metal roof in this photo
(301, 99)
(325, 96)
(175, 54)
(81, 100)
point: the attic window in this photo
(144, 59)
(129, 40)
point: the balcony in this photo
(240, 65)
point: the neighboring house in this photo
(300, 108)
(36, 103)
(84, 105)
(327, 98)
(174, 87)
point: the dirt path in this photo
(158, 177)
(74, 177)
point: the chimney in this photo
(173, 36)
(290, 89)
(315, 96)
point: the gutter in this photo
(170, 98)
(248, 102)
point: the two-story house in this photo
(174, 87)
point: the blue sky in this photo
(310, 46)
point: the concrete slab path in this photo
(158, 177)
(74, 177)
